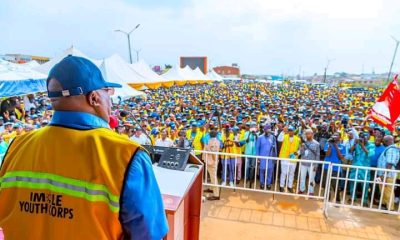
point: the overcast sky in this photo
(262, 36)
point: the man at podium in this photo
(77, 179)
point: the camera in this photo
(363, 137)
(123, 114)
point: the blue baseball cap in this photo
(77, 76)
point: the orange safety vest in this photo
(61, 183)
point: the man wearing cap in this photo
(228, 161)
(8, 133)
(77, 179)
(140, 137)
(363, 151)
(289, 149)
(164, 140)
(194, 136)
(348, 144)
(388, 160)
(266, 147)
(309, 150)
(249, 142)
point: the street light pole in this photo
(129, 46)
(394, 57)
(128, 35)
(137, 54)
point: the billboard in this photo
(194, 62)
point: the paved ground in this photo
(243, 215)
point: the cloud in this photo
(263, 36)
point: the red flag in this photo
(387, 109)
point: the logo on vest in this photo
(46, 203)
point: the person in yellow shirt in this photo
(290, 148)
(228, 162)
(237, 150)
(194, 136)
(8, 132)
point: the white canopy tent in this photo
(17, 79)
(114, 71)
(202, 78)
(115, 67)
(31, 64)
(214, 76)
(46, 67)
(175, 74)
(190, 75)
(126, 92)
(154, 79)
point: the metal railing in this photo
(335, 184)
(269, 172)
(377, 188)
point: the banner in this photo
(387, 109)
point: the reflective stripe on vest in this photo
(56, 183)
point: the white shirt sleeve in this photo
(280, 137)
(355, 133)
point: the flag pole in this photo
(394, 57)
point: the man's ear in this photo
(93, 99)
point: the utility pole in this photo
(128, 35)
(394, 57)
(326, 68)
(299, 75)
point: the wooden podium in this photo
(182, 195)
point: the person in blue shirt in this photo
(266, 147)
(348, 145)
(388, 160)
(363, 151)
(379, 148)
(249, 142)
(334, 153)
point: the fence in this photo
(334, 184)
(377, 188)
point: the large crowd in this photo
(289, 121)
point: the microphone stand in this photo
(151, 149)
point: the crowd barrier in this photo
(337, 185)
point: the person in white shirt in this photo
(164, 141)
(140, 137)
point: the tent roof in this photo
(200, 75)
(17, 79)
(143, 69)
(189, 74)
(214, 76)
(126, 92)
(31, 64)
(115, 69)
(174, 74)
(46, 67)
